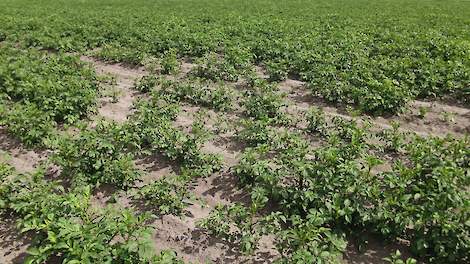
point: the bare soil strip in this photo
(14, 153)
(118, 108)
(13, 244)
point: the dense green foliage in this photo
(31, 125)
(39, 90)
(60, 85)
(152, 126)
(169, 195)
(98, 156)
(375, 54)
(194, 91)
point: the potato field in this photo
(217, 131)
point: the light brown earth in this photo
(13, 245)
(118, 109)
(182, 234)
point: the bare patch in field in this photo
(155, 167)
(14, 153)
(195, 245)
(117, 69)
(436, 118)
(117, 108)
(186, 67)
(118, 105)
(13, 244)
(183, 234)
(261, 72)
(292, 87)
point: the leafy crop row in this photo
(59, 85)
(195, 91)
(69, 229)
(422, 198)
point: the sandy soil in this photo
(13, 244)
(14, 153)
(119, 108)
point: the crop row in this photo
(323, 195)
(69, 228)
(58, 209)
(355, 181)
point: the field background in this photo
(234, 131)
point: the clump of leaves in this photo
(152, 125)
(116, 53)
(316, 121)
(169, 62)
(277, 70)
(218, 97)
(68, 228)
(28, 123)
(170, 195)
(228, 67)
(307, 240)
(6, 173)
(422, 111)
(237, 223)
(255, 170)
(198, 128)
(394, 139)
(429, 198)
(98, 156)
(147, 83)
(264, 102)
(255, 132)
(60, 85)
